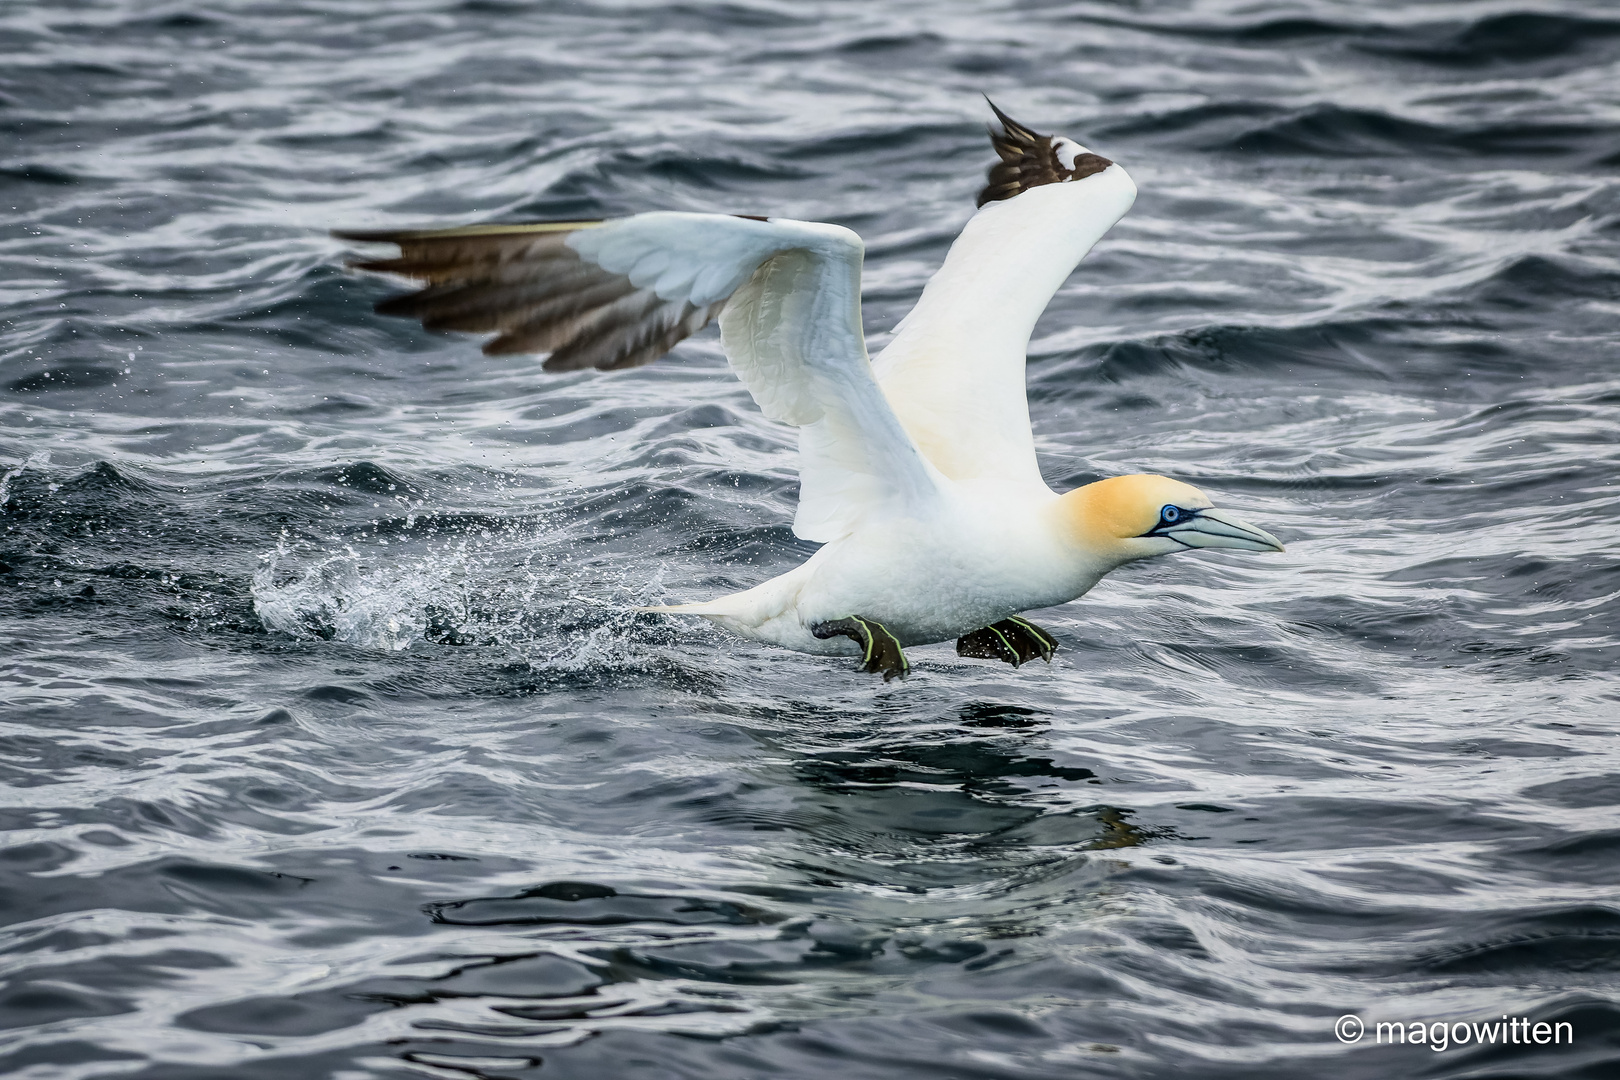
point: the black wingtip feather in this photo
(365, 236)
(1029, 159)
(525, 284)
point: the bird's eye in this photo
(1170, 515)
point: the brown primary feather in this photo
(445, 266)
(479, 307)
(1028, 160)
(572, 330)
(612, 348)
(524, 282)
(429, 257)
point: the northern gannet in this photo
(917, 471)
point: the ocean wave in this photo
(337, 746)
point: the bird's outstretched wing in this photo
(955, 368)
(618, 293)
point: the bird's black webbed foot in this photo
(881, 652)
(1014, 641)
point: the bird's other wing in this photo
(619, 293)
(954, 371)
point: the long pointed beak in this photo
(1217, 529)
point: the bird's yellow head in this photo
(1125, 518)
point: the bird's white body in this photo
(988, 539)
(917, 469)
(973, 560)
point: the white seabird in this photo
(918, 470)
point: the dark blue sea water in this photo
(330, 748)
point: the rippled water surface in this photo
(332, 748)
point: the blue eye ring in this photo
(1170, 514)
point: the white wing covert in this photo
(620, 293)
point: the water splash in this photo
(473, 590)
(38, 460)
